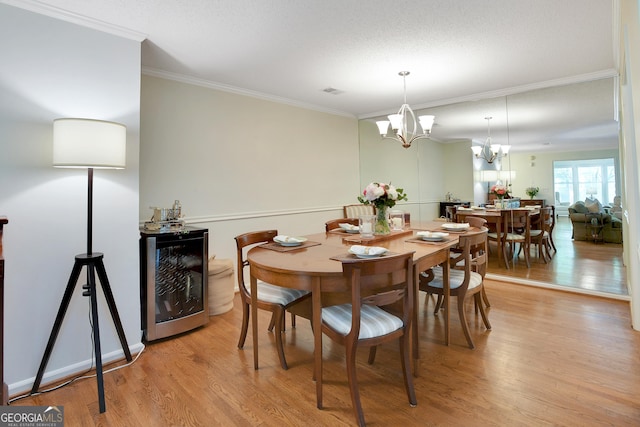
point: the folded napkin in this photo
(289, 239)
(455, 225)
(431, 234)
(347, 226)
(367, 250)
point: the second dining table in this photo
(495, 222)
(311, 267)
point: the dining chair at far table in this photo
(335, 223)
(361, 321)
(464, 283)
(517, 226)
(554, 218)
(540, 234)
(275, 299)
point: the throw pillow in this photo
(579, 207)
(594, 206)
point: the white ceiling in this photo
(456, 51)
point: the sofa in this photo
(583, 213)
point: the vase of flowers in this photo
(532, 191)
(500, 191)
(383, 197)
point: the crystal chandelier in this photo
(490, 151)
(403, 124)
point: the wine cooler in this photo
(173, 282)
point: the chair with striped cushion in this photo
(371, 284)
(355, 211)
(270, 297)
(335, 223)
(463, 283)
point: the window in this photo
(578, 179)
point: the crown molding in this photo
(74, 18)
(581, 78)
(183, 78)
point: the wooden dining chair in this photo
(450, 213)
(517, 233)
(540, 232)
(475, 221)
(480, 224)
(271, 298)
(354, 211)
(465, 283)
(361, 322)
(554, 218)
(335, 223)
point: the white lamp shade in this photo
(476, 150)
(86, 143)
(397, 121)
(426, 122)
(505, 149)
(383, 126)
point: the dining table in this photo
(495, 223)
(312, 266)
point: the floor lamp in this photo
(90, 144)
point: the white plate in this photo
(455, 226)
(432, 236)
(360, 254)
(289, 241)
(363, 256)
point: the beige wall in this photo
(239, 163)
(539, 171)
(421, 170)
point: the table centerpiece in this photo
(383, 197)
(500, 191)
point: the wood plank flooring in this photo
(551, 359)
(576, 265)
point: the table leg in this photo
(316, 322)
(414, 322)
(254, 319)
(446, 289)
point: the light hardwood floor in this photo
(576, 265)
(552, 359)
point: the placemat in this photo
(419, 240)
(278, 247)
(356, 238)
(343, 232)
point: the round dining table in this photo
(313, 266)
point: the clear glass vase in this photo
(382, 221)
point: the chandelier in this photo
(403, 124)
(490, 151)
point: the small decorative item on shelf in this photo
(532, 191)
(382, 196)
